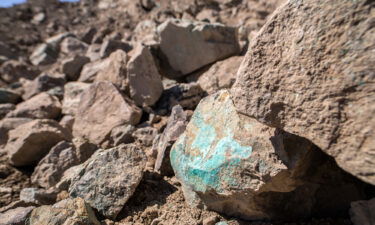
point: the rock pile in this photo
(113, 112)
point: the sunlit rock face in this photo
(233, 164)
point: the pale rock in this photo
(38, 196)
(56, 40)
(103, 107)
(145, 135)
(109, 178)
(8, 124)
(93, 52)
(30, 142)
(110, 46)
(67, 122)
(72, 96)
(73, 46)
(72, 67)
(91, 70)
(16, 216)
(44, 54)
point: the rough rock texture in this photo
(142, 71)
(235, 165)
(314, 78)
(72, 67)
(72, 96)
(8, 96)
(175, 127)
(122, 135)
(145, 135)
(60, 158)
(17, 216)
(8, 124)
(363, 212)
(73, 46)
(103, 107)
(91, 70)
(30, 142)
(189, 46)
(115, 71)
(110, 46)
(43, 82)
(44, 54)
(65, 212)
(38, 196)
(108, 188)
(41, 106)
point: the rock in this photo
(8, 96)
(110, 46)
(144, 32)
(220, 75)
(60, 158)
(88, 35)
(8, 124)
(72, 67)
(56, 40)
(17, 216)
(16, 204)
(363, 212)
(44, 54)
(38, 18)
(122, 135)
(30, 142)
(187, 95)
(5, 109)
(233, 164)
(145, 135)
(147, 4)
(67, 122)
(316, 81)
(41, 106)
(96, 116)
(72, 96)
(90, 70)
(115, 71)
(175, 127)
(212, 220)
(73, 46)
(144, 78)
(12, 70)
(42, 83)
(65, 212)
(93, 52)
(107, 188)
(189, 46)
(38, 196)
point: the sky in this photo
(8, 3)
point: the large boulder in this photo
(30, 142)
(65, 212)
(72, 96)
(144, 78)
(235, 165)
(41, 106)
(109, 178)
(310, 71)
(189, 46)
(103, 107)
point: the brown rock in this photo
(8, 124)
(30, 142)
(72, 67)
(67, 122)
(44, 54)
(90, 70)
(41, 106)
(316, 80)
(110, 46)
(5, 109)
(38, 196)
(363, 212)
(42, 83)
(103, 107)
(17, 216)
(73, 46)
(72, 96)
(12, 71)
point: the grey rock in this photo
(38, 196)
(8, 96)
(107, 188)
(44, 54)
(73, 46)
(30, 142)
(17, 216)
(42, 83)
(122, 135)
(72, 96)
(189, 46)
(72, 67)
(145, 135)
(363, 212)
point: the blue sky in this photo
(8, 3)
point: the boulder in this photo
(219, 76)
(109, 178)
(12, 70)
(176, 125)
(65, 212)
(232, 164)
(316, 80)
(115, 71)
(30, 142)
(41, 106)
(363, 212)
(103, 107)
(42, 83)
(44, 54)
(72, 67)
(38, 196)
(91, 70)
(17, 216)
(110, 46)
(73, 46)
(61, 157)
(189, 46)
(8, 96)
(5, 109)
(144, 78)
(72, 96)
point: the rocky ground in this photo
(187, 112)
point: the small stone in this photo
(72, 67)
(16, 216)
(110, 46)
(145, 135)
(109, 178)
(41, 106)
(72, 96)
(68, 211)
(363, 212)
(96, 116)
(56, 40)
(73, 46)
(42, 83)
(39, 18)
(38, 196)
(44, 54)
(8, 96)
(93, 52)
(189, 46)
(30, 142)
